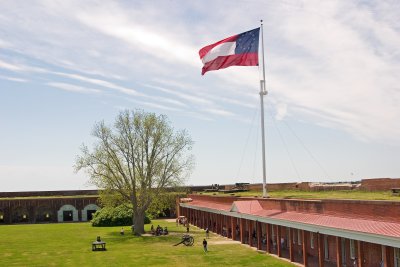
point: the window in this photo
(396, 257)
(343, 251)
(312, 239)
(352, 249)
(299, 237)
(294, 236)
(287, 236)
(326, 247)
(273, 232)
(273, 236)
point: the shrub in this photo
(114, 216)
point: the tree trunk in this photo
(138, 221)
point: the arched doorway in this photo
(67, 213)
(20, 215)
(2, 216)
(87, 212)
(44, 214)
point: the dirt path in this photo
(224, 242)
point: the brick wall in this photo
(331, 248)
(372, 254)
(10, 207)
(48, 193)
(379, 184)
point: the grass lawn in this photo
(69, 244)
(337, 194)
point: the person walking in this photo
(205, 245)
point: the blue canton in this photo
(247, 42)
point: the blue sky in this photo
(332, 72)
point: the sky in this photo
(332, 75)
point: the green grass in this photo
(337, 194)
(69, 244)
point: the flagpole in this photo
(262, 93)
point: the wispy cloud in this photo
(220, 112)
(329, 64)
(13, 79)
(191, 98)
(4, 44)
(154, 105)
(99, 82)
(74, 88)
(338, 71)
(9, 66)
(339, 56)
(197, 115)
(167, 101)
(20, 67)
(281, 111)
(214, 95)
(114, 21)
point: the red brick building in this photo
(309, 232)
(47, 206)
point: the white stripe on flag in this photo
(224, 49)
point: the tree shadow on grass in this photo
(116, 237)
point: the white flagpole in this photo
(262, 93)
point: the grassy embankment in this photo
(69, 244)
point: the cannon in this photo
(187, 240)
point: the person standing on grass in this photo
(187, 228)
(207, 233)
(205, 245)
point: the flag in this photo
(237, 50)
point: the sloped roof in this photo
(351, 224)
(210, 205)
(253, 207)
(246, 206)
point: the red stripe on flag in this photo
(207, 48)
(249, 59)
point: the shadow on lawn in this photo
(116, 237)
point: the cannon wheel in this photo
(188, 241)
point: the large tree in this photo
(139, 158)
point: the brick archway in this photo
(67, 213)
(2, 216)
(20, 215)
(88, 211)
(45, 214)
